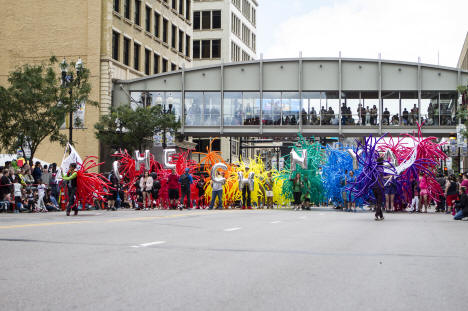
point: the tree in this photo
(134, 129)
(35, 105)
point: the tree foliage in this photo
(133, 129)
(35, 104)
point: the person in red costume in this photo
(72, 184)
(173, 186)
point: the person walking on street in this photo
(217, 192)
(173, 186)
(72, 184)
(297, 191)
(146, 186)
(201, 192)
(378, 190)
(186, 180)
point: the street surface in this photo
(233, 260)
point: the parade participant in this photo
(156, 188)
(173, 186)
(185, 180)
(217, 192)
(414, 207)
(378, 191)
(297, 190)
(390, 191)
(269, 183)
(114, 191)
(201, 192)
(305, 198)
(344, 195)
(451, 193)
(352, 203)
(423, 191)
(246, 196)
(146, 186)
(71, 179)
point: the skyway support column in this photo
(419, 89)
(340, 81)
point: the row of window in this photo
(247, 10)
(249, 38)
(207, 49)
(204, 20)
(310, 108)
(152, 62)
(127, 6)
(237, 54)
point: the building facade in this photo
(116, 39)
(224, 31)
(463, 60)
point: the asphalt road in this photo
(232, 260)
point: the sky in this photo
(433, 30)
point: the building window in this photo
(206, 48)
(147, 61)
(115, 45)
(245, 56)
(254, 42)
(174, 4)
(136, 56)
(206, 17)
(137, 11)
(196, 49)
(236, 3)
(157, 21)
(181, 41)
(254, 17)
(216, 22)
(164, 65)
(173, 36)
(246, 35)
(187, 45)
(126, 52)
(181, 7)
(173, 67)
(148, 19)
(117, 6)
(246, 9)
(196, 20)
(235, 52)
(165, 30)
(156, 63)
(127, 9)
(216, 49)
(187, 9)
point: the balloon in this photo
(168, 154)
(295, 159)
(139, 159)
(215, 168)
(115, 169)
(354, 155)
(246, 181)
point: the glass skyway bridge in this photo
(315, 97)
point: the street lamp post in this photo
(67, 80)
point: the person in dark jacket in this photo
(201, 192)
(378, 190)
(185, 181)
(71, 177)
(462, 205)
(156, 187)
(37, 173)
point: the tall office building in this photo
(463, 60)
(116, 39)
(224, 31)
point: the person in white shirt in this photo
(17, 191)
(40, 206)
(146, 186)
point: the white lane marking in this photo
(321, 214)
(148, 244)
(276, 222)
(303, 217)
(232, 229)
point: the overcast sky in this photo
(399, 29)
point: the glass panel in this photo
(409, 108)
(448, 108)
(330, 112)
(311, 103)
(193, 108)
(232, 108)
(291, 104)
(430, 108)
(251, 108)
(351, 108)
(370, 102)
(206, 16)
(271, 106)
(391, 106)
(173, 104)
(212, 108)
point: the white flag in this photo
(73, 157)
